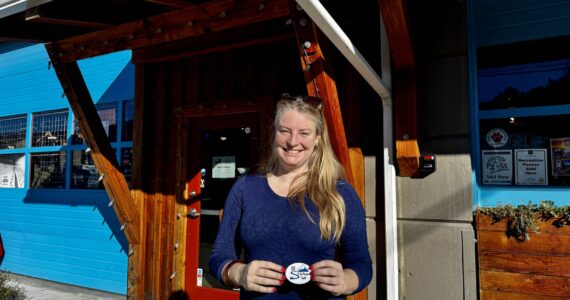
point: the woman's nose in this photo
(292, 140)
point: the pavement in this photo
(38, 289)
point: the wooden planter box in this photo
(535, 269)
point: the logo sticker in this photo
(497, 138)
(298, 273)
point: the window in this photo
(49, 129)
(128, 119)
(127, 163)
(46, 156)
(108, 118)
(48, 170)
(524, 113)
(13, 132)
(12, 170)
(527, 74)
(84, 174)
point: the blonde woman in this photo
(299, 213)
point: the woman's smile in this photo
(295, 140)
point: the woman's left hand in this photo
(330, 276)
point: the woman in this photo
(299, 210)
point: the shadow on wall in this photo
(97, 199)
(122, 87)
(1, 250)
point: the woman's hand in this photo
(330, 276)
(258, 276)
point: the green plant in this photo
(521, 220)
(10, 291)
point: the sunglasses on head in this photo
(311, 100)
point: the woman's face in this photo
(295, 140)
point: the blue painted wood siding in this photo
(508, 21)
(68, 236)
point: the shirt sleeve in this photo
(226, 246)
(354, 242)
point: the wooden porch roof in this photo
(73, 30)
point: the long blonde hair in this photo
(324, 171)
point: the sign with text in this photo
(530, 165)
(497, 167)
(560, 153)
(223, 167)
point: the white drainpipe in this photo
(330, 28)
(10, 7)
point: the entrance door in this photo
(222, 148)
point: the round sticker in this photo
(497, 138)
(298, 273)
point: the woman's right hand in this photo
(257, 276)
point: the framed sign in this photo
(560, 154)
(497, 167)
(530, 166)
(223, 167)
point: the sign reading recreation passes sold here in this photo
(531, 168)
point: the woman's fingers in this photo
(329, 276)
(262, 276)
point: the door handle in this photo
(193, 213)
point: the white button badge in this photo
(298, 273)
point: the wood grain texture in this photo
(525, 283)
(320, 83)
(534, 269)
(501, 295)
(545, 243)
(103, 155)
(525, 263)
(405, 85)
(194, 20)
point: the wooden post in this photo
(103, 155)
(320, 82)
(404, 89)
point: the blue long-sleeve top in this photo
(269, 227)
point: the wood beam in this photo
(320, 83)
(103, 155)
(170, 3)
(195, 20)
(37, 15)
(405, 85)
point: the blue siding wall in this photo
(63, 235)
(508, 21)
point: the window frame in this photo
(490, 195)
(28, 150)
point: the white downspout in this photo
(330, 28)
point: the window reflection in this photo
(48, 170)
(108, 118)
(536, 84)
(84, 174)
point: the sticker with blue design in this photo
(298, 273)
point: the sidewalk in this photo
(38, 289)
